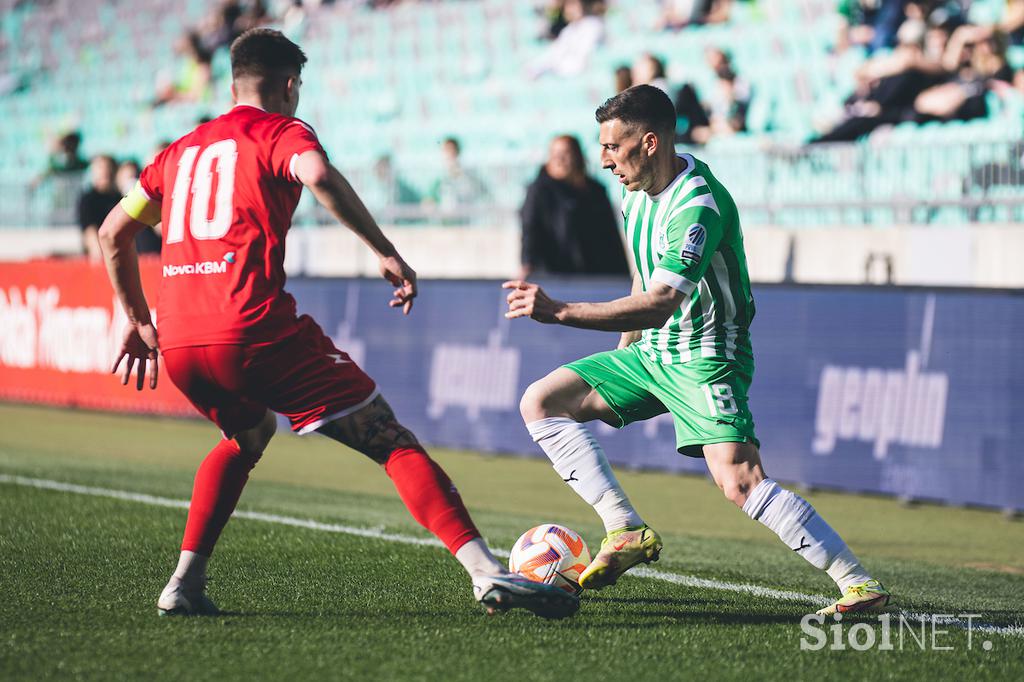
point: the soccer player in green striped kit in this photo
(685, 349)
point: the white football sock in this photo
(581, 463)
(478, 560)
(191, 568)
(798, 525)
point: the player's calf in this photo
(435, 503)
(736, 468)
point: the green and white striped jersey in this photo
(688, 236)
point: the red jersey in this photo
(227, 192)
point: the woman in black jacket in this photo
(569, 226)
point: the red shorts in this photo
(304, 377)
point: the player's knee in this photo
(736, 492)
(537, 403)
(255, 440)
(737, 489)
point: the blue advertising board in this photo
(906, 392)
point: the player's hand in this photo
(139, 346)
(529, 300)
(398, 272)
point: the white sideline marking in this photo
(376, 534)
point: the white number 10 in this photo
(200, 184)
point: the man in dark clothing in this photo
(96, 202)
(569, 226)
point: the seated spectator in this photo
(192, 83)
(692, 123)
(888, 86)
(569, 53)
(553, 18)
(390, 191)
(148, 239)
(64, 159)
(976, 56)
(623, 78)
(457, 189)
(569, 226)
(730, 101)
(871, 24)
(678, 14)
(729, 105)
(649, 70)
(95, 203)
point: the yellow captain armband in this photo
(139, 206)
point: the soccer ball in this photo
(550, 554)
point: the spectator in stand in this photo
(65, 160)
(976, 60)
(389, 193)
(869, 23)
(95, 203)
(569, 225)
(729, 105)
(192, 83)
(569, 53)
(888, 86)
(553, 19)
(148, 239)
(692, 123)
(623, 78)
(649, 70)
(458, 188)
(730, 101)
(678, 14)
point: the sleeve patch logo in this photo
(693, 248)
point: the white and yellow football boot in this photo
(621, 551)
(868, 596)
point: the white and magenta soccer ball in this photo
(550, 554)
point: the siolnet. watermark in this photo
(925, 632)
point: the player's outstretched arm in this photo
(645, 310)
(117, 241)
(335, 194)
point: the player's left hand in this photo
(140, 345)
(529, 300)
(398, 272)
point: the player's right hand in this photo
(140, 345)
(398, 272)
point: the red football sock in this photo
(218, 485)
(431, 498)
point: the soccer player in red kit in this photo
(229, 334)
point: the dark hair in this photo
(641, 105)
(264, 52)
(454, 141)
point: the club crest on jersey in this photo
(661, 240)
(693, 247)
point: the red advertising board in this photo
(60, 328)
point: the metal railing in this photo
(838, 184)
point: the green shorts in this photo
(706, 397)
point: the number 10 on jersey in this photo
(199, 183)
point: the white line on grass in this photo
(376, 534)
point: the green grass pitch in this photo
(80, 573)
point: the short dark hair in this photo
(641, 105)
(264, 52)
